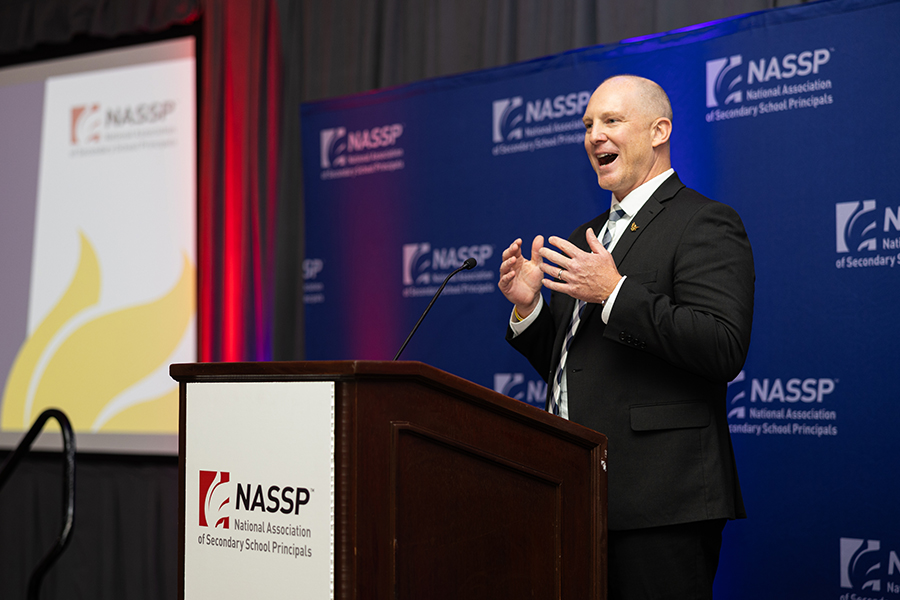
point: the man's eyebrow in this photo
(604, 115)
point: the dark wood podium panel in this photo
(445, 489)
(458, 503)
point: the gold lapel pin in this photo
(634, 226)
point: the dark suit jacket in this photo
(654, 379)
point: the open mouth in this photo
(605, 159)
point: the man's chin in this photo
(608, 182)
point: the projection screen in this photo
(97, 244)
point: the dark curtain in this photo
(258, 61)
(348, 46)
(27, 24)
(124, 542)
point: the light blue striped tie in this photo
(616, 214)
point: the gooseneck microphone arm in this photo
(469, 264)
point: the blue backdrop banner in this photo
(788, 116)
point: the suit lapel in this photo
(651, 209)
(636, 228)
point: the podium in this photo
(381, 480)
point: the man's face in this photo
(619, 137)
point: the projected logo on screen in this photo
(424, 267)
(867, 568)
(722, 76)
(86, 124)
(214, 499)
(123, 127)
(860, 228)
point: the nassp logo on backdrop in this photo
(865, 566)
(424, 267)
(508, 119)
(533, 392)
(861, 230)
(313, 289)
(790, 406)
(722, 79)
(520, 125)
(344, 153)
(730, 81)
(333, 147)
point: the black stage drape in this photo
(126, 528)
(124, 543)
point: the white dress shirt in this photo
(631, 204)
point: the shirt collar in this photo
(634, 201)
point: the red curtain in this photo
(240, 108)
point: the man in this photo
(646, 357)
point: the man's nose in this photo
(597, 136)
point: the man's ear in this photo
(660, 131)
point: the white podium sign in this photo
(259, 490)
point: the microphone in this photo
(467, 265)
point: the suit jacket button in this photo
(622, 336)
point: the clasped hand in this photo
(589, 276)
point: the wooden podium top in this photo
(305, 369)
(346, 370)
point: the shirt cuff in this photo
(607, 306)
(520, 326)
